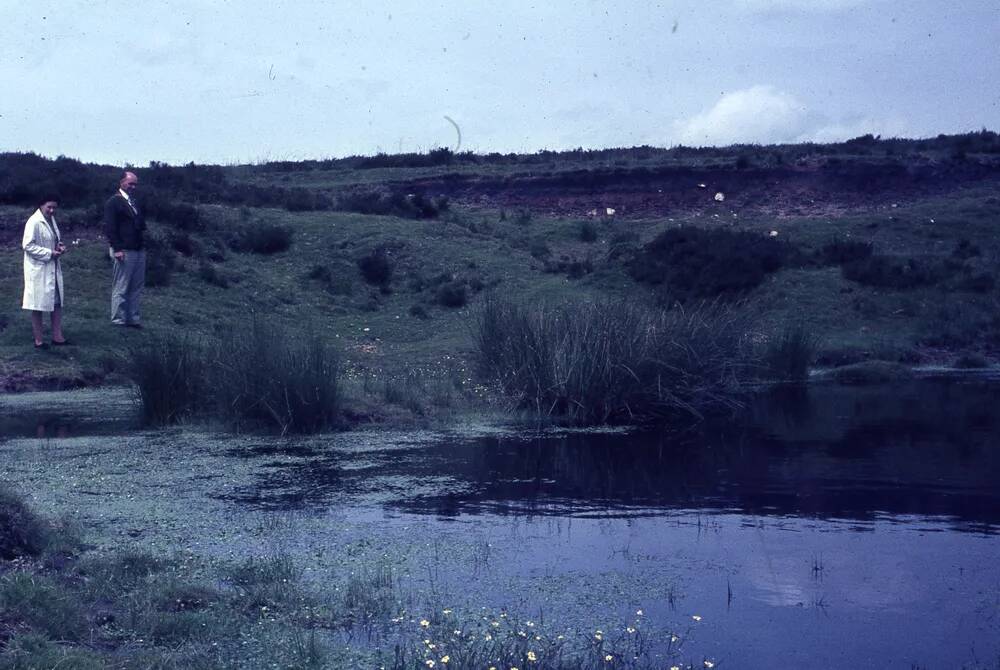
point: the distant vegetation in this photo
(698, 263)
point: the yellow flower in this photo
(446, 611)
(629, 629)
(430, 663)
(531, 656)
(445, 658)
(425, 623)
(709, 664)
(639, 613)
(598, 636)
(609, 658)
(696, 617)
(488, 637)
(675, 667)
(529, 623)
(495, 624)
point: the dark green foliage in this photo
(895, 272)
(396, 203)
(419, 311)
(453, 294)
(587, 232)
(965, 249)
(787, 355)
(574, 268)
(586, 363)
(182, 243)
(261, 238)
(21, 532)
(264, 377)
(209, 274)
(169, 376)
(539, 249)
(38, 603)
(693, 263)
(160, 261)
(257, 377)
(320, 273)
(840, 251)
(377, 267)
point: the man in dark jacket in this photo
(124, 225)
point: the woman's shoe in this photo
(41, 345)
(64, 343)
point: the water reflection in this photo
(922, 449)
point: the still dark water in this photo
(828, 527)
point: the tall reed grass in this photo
(258, 377)
(615, 362)
(787, 356)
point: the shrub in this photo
(787, 356)
(262, 238)
(587, 232)
(403, 205)
(209, 274)
(694, 263)
(840, 251)
(160, 261)
(893, 271)
(419, 311)
(539, 249)
(615, 362)
(377, 267)
(453, 294)
(21, 532)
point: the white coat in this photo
(42, 272)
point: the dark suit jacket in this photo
(122, 226)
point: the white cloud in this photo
(766, 115)
(760, 114)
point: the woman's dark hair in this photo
(47, 197)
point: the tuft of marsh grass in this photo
(261, 377)
(787, 357)
(22, 533)
(169, 374)
(615, 362)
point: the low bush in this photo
(587, 363)
(894, 272)
(161, 259)
(693, 263)
(587, 232)
(209, 274)
(840, 251)
(403, 205)
(261, 238)
(21, 532)
(453, 294)
(377, 266)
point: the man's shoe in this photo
(137, 326)
(64, 343)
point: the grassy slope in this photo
(475, 244)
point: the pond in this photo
(826, 526)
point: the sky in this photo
(246, 81)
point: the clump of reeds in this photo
(615, 362)
(787, 356)
(261, 376)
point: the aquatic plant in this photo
(615, 362)
(787, 356)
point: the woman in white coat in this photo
(43, 281)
